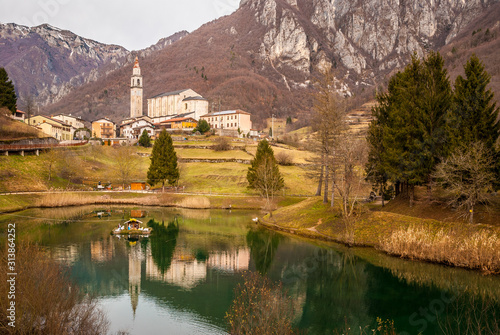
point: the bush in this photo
(46, 300)
(284, 158)
(260, 307)
(222, 144)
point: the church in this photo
(182, 103)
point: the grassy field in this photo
(71, 168)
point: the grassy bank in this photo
(18, 202)
(451, 243)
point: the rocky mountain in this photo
(264, 57)
(47, 62)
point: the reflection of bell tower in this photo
(136, 91)
(134, 275)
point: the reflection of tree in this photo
(263, 246)
(336, 287)
(163, 242)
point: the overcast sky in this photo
(132, 24)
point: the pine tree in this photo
(409, 133)
(263, 174)
(7, 92)
(145, 140)
(475, 114)
(202, 127)
(163, 167)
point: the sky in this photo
(132, 24)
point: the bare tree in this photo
(125, 163)
(328, 123)
(468, 177)
(29, 105)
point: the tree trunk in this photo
(382, 192)
(325, 195)
(318, 191)
(471, 219)
(411, 193)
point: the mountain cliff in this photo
(264, 57)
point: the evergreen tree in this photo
(7, 92)
(409, 133)
(163, 167)
(475, 113)
(145, 140)
(202, 127)
(264, 174)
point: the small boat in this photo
(131, 227)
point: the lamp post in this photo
(272, 126)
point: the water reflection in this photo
(186, 271)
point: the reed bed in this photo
(194, 202)
(461, 247)
(76, 199)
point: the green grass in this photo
(212, 154)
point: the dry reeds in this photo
(194, 202)
(79, 199)
(473, 250)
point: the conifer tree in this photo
(475, 114)
(163, 167)
(263, 174)
(409, 133)
(7, 92)
(145, 140)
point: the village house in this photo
(133, 128)
(74, 121)
(186, 124)
(103, 128)
(18, 115)
(229, 123)
(178, 102)
(52, 127)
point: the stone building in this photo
(136, 84)
(186, 102)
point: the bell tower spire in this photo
(136, 84)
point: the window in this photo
(138, 82)
(186, 106)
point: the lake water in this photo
(181, 279)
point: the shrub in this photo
(222, 144)
(46, 300)
(260, 307)
(284, 158)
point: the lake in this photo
(181, 279)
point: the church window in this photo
(138, 82)
(186, 106)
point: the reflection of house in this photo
(177, 102)
(66, 255)
(184, 271)
(229, 123)
(103, 128)
(101, 251)
(231, 261)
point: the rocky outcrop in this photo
(365, 38)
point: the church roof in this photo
(169, 93)
(136, 64)
(195, 98)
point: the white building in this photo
(186, 102)
(133, 128)
(136, 84)
(229, 123)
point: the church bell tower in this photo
(136, 91)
